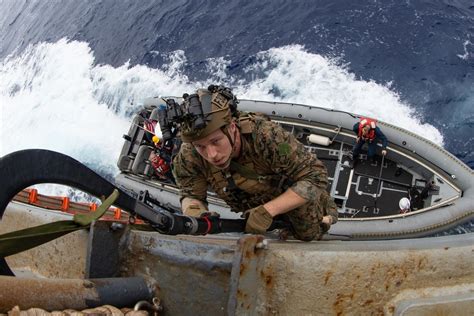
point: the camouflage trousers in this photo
(306, 221)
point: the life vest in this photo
(370, 136)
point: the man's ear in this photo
(232, 127)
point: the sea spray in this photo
(53, 96)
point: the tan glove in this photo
(193, 207)
(258, 221)
(194, 210)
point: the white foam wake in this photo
(53, 96)
(306, 78)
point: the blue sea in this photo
(73, 72)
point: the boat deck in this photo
(366, 194)
(368, 190)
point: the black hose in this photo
(22, 169)
(25, 168)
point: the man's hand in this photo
(326, 223)
(258, 221)
(193, 207)
(327, 220)
(384, 152)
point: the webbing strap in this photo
(24, 239)
(246, 171)
(87, 219)
(21, 240)
(278, 181)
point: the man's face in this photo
(215, 148)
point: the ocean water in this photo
(73, 72)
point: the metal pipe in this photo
(78, 294)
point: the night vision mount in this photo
(192, 111)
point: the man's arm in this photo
(283, 203)
(355, 128)
(287, 156)
(288, 201)
(381, 136)
(192, 182)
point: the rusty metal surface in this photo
(220, 275)
(192, 273)
(247, 264)
(59, 294)
(29, 293)
(64, 257)
(294, 278)
(455, 300)
(360, 278)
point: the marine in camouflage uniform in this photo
(270, 162)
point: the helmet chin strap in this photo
(231, 141)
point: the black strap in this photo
(235, 192)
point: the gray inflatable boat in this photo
(439, 186)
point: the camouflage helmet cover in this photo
(217, 113)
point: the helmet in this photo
(404, 204)
(216, 109)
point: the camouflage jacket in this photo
(267, 150)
